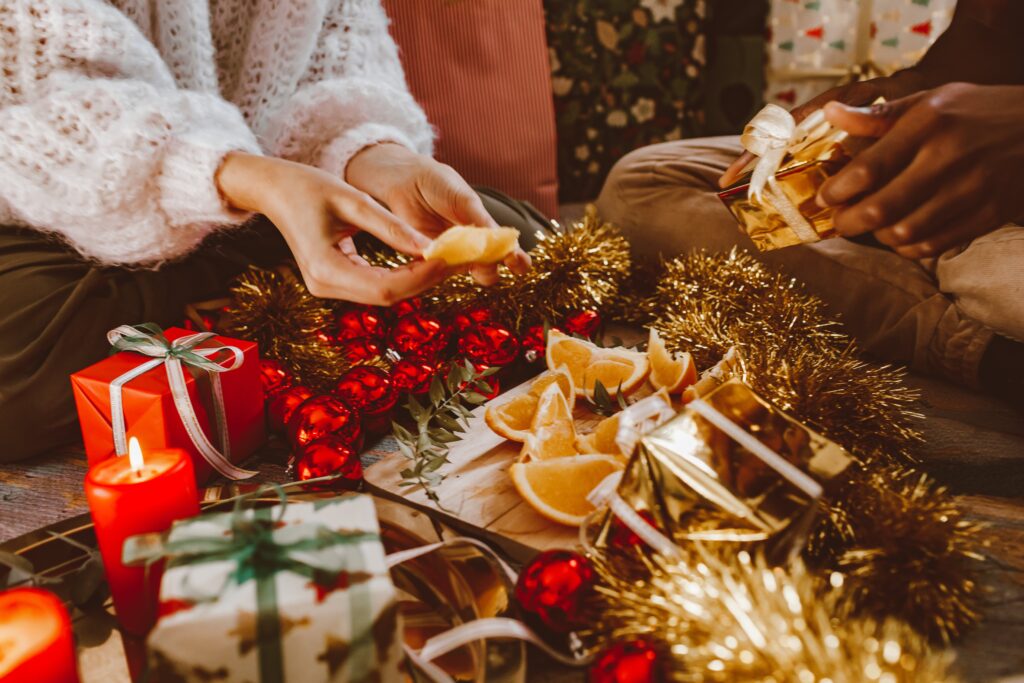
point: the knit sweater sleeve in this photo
(353, 94)
(98, 145)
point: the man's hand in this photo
(856, 94)
(946, 168)
(318, 214)
(428, 195)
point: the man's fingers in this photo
(909, 189)
(359, 209)
(951, 202)
(732, 173)
(959, 231)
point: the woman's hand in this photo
(318, 214)
(427, 194)
(855, 94)
(944, 170)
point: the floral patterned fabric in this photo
(625, 73)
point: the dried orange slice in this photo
(616, 368)
(558, 488)
(552, 433)
(672, 372)
(512, 418)
(464, 244)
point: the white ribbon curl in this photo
(141, 341)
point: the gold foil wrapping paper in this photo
(801, 174)
(698, 483)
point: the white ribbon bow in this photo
(770, 135)
(141, 341)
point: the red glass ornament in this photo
(281, 406)
(361, 350)
(554, 588)
(326, 456)
(274, 376)
(489, 344)
(632, 661)
(358, 322)
(323, 415)
(406, 307)
(368, 389)
(463, 320)
(207, 322)
(418, 334)
(412, 376)
(584, 323)
(533, 343)
(621, 536)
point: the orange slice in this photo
(558, 488)
(603, 438)
(672, 372)
(464, 244)
(616, 368)
(512, 418)
(552, 433)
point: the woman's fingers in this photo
(359, 209)
(340, 275)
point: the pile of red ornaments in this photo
(394, 352)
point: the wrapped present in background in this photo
(299, 592)
(814, 46)
(174, 389)
(775, 203)
(730, 468)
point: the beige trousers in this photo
(935, 315)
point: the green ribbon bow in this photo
(149, 340)
(260, 547)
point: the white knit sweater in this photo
(115, 116)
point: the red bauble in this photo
(412, 376)
(368, 389)
(326, 456)
(418, 334)
(274, 376)
(554, 588)
(632, 661)
(361, 350)
(585, 323)
(406, 307)
(207, 322)
(358, 322)
(622, 537)
(463, 320)
(533, 343)
(489, 344)
(281, 406)
(323, 415)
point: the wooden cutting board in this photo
(478, 491)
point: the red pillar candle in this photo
(131, 495)
(35, 638)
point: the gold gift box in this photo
(698, 483)
(800, 176)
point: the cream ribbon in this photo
(219, 460)
(770, 135)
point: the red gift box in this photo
(150, 413)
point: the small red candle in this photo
(35, 638)
(135, 495)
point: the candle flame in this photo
(135, 455)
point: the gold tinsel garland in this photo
(274, 309)
(887, 523)
(723, 618)
(578, 267)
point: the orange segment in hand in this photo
(463, 244)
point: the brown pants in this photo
(56, 309)
(935, 315)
